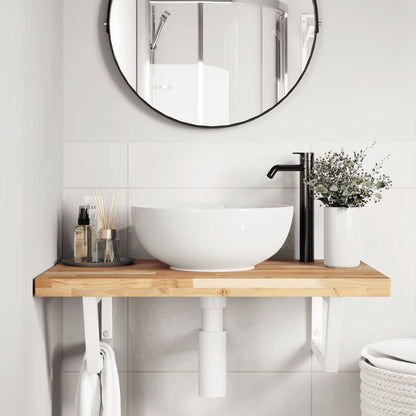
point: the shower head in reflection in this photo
(158, 31)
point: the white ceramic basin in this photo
(212, 238)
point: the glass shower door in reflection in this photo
(216, 63)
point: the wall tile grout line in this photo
(127, 357)
(404, 188)
(191, 141)
(311, 388)
(233, 141)
(128, 198)
(311, 359)
(310, 350)
(228, 372)
(189, 187)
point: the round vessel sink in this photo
(212, 237)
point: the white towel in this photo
(99, 394)
(110, 385)
(397, 355)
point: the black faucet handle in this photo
(304, 154)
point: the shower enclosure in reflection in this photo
(212, 62)
(216, 62)
(156, 32)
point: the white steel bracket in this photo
(92, 329)
(326, 317)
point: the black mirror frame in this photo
(108, 29)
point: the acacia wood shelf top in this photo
(151, 278)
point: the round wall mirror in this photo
(212, 63)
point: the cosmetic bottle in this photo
(93, 216)
(83, 238)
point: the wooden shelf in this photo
(151, 278)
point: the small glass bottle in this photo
(108, 247)
(93, 216)
(83, 238)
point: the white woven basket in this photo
(386, 393)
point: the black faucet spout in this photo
(306, 202)
(284, 168)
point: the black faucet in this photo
(306, 203)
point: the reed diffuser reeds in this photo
(107, 219)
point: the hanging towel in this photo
(99, 394)
(110, 385)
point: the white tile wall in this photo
(176, 394)
(164, 334)
(336, 394)
(271, 369)
(260, 337)
(100, 165)
(211, 165)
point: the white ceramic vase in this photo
(341, 237)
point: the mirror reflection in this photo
(212, 63)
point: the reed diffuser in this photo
(107, 244)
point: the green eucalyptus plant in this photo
(340, 180)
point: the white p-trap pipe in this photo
(212, 348)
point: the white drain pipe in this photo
(212, 348)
